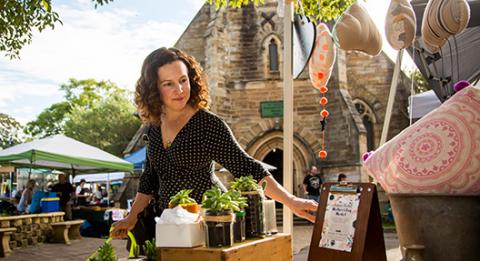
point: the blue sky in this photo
(107, 43)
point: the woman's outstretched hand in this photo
(303, 208)
(121, 227)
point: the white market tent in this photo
(423, 103)
(62, 153)
(99, 177)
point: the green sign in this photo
(271, 109)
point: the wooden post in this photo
(287, 112)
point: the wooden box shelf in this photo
(277, 247)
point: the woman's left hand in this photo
(303, 208)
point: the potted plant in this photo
(150, 250)
(219, 217)
(239, 231)
(105, 253)
(250, 189)
(183, 199)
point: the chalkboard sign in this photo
(348, 224)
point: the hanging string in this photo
(451, 66)
(412, 90)
(457, 57)
(443, 73)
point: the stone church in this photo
(241, 51)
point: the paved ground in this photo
(82, 249)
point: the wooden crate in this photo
(277, 247)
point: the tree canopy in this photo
(80, 93)
(108, 124)
(19, 19)
(315, 10)
(9, 131)
(94, 112)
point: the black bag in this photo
(145, 227)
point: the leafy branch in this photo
(315, 10)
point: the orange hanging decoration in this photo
(324, 113)
(323, 89)
(322, 154)
(323, 101)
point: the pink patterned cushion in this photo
(439, 154)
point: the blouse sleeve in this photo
(148, 180)
(224, 149)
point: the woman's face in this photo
(174, 85)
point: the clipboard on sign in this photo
(348, 224)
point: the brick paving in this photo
(82, 249)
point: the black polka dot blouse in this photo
(189, 161)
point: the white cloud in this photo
(104, 45)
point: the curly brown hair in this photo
(147, 94)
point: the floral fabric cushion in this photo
(439, 154)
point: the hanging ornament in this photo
(323, 101)
(322, 154)
(321, 62)
(323, 89)
(441, 19)
(356, 31)
(400, 24)
(324, 113)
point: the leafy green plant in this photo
(182, 197)
(105, 253)
(149, 249)
(316, 10)
(216, 201)
(236, 196)
(245, 183)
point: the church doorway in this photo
(275, 158)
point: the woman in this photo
(185, 139)
(26, 198)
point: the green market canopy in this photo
(63, 153)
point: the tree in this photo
(79, 93)
(316, 10)
(9, 131)
(108, 124)
(420, 83)
(18, 19)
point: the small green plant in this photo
(105, 253)
(182, 197)
(237, 197)
(216, 201)
(245, 183)
(149, 249)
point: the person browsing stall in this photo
(26, 198)
(312, 183)
(81, 193)
(66, 192)
(185, 139)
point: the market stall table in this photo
(277, 247)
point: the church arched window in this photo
(273, 55)
(368, 119)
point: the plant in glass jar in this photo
(183, 199)
(219, 208)
(250, 189)
(239, 230)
